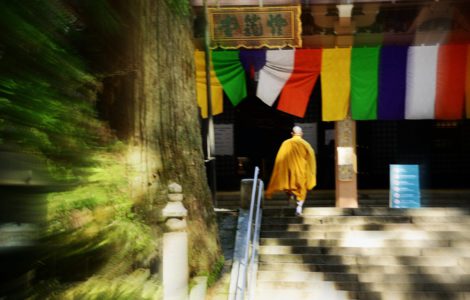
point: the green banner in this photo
(230, 72)
(364, 83)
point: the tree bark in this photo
(152, 105)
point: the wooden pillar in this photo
(345, 163)
(345, 131)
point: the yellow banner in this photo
(255, 27)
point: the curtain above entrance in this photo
(385, 83)
(364, 84)
(335, 83)
(421, 82)
(392, 83)
(201, 87)
(467, 84)
(274, 75)
(450, 82)
(230, 73)
(253, 61)
(296, 92)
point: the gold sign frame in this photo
(255, 27)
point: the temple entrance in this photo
(259, 130)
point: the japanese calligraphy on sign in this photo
(255, 27)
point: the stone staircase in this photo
(365, 253)
(366, 198)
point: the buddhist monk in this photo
(294, 169)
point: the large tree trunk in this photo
(152, 105)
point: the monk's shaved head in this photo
(297, 130)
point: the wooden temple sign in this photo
(255, 27)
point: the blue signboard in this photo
(404, 186)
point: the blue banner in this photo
(404, 186)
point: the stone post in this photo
(175, 247)
(198, 292)
(346, 164)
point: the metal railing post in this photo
(255, 245)
(242, 282)
(245, 266)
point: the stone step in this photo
(392, 295)
(371, 227)
(429, 198)
(403, 286)
(400, 251)
(330, 203)
(364, 277)
(349, 220)
(305, 276)
(368, 211)
(342, 295)
(368, 252)
(320, 293)
(464, 264)
(362, 194)
(370, 236)
(362, 244)
(365, 286)
(456, 277)
(361, 220)
(357, 269)
(376, 260)
(234, 204)
(373, 269)
(316, 194)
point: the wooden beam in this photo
(223, 3)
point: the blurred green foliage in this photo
(94, 246)
(47, 95)
(94, 224)
(216, 271)
(134, 286)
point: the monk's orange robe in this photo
(294, 169)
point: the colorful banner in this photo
(255, 27)
(364, 83)
(335, 83)
(296, 93)
(421, 82)
(201, 87)
(450, 82)
(392, 83)
(274, 74)
(467, 84)
(231, 75)
(253, 61)
(388, 83)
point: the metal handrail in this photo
(253, 240)
(255, 245)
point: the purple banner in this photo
(392, 82)
(253, 59)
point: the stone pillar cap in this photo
(174, 188)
